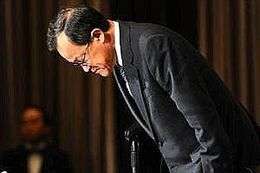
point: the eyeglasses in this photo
(81, 60)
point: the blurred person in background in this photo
(36, 153)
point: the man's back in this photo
(192, 113)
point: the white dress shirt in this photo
(34, 163)
(35, 159)
(118, 51)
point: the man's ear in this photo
(97, 35)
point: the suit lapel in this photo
(47, 161)
(135, 87)
(133, 78)
(135, 112)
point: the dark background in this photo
(88, 111)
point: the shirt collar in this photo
(117, 44)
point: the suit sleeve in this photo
(182, 81)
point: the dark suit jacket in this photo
(182, 104)
(54, 160)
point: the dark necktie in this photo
(121, 72)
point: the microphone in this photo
(132, 136)
(135, 155)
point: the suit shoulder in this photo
(57, 153)
(146, 30)
(12, 152)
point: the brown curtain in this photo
(82, 105)
(227, 38)
(257, 61)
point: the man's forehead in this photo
(64, 46)
(31, 114)
(62, 38)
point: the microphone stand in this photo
(132, 136)
(135, 148)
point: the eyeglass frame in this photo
(81, 62)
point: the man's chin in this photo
(104, 73)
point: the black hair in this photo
(77, 24)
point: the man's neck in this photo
(111, 32)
